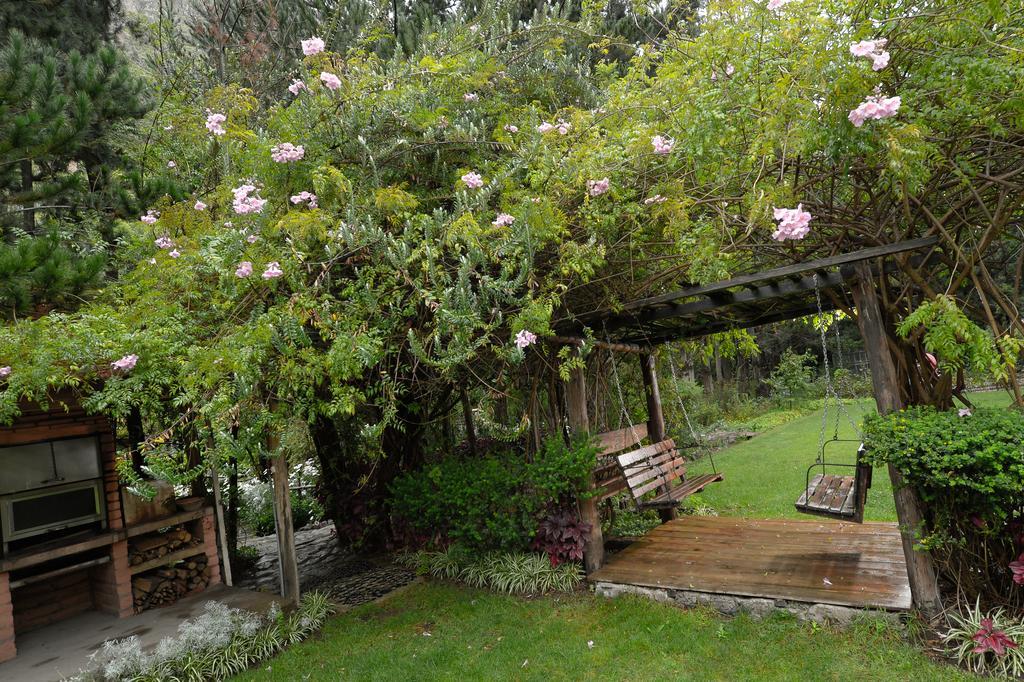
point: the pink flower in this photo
(777, 4)
(545, 128)
(286, 152)
(297, 86)
(171, 164)
(563, 127)
(662, 145)
(873, 50)
(247, 201)
(656, 199)
(511, 128)
(473, 180)
(964, 412)
(150, 217)
(273, 271)
(312, 46)
(330, 81)
(864, 48)
(471, 97)
(308, 197)
(252, 239)
(164, 243)
(174, 253)
(215, 122)
(244, 269)
(126, 363)
(990, 639)
(598, 187)
(525, 338)
(793, 223)
(874, 107)
(729, 69)
(503, 220)
(199, 206)
(1016, 567)
(5, 372)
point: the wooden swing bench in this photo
(659, 466)
(835, 496)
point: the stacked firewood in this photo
(154, 546)
(167, 585)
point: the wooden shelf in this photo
(56, 549)
(169, 558)
(60, 571)
(165, 522)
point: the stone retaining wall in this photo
(731, 605)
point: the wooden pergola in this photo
(790, 292)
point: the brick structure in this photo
(48, 585)
(7, 648)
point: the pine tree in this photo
(58, 166)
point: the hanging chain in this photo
(698, 440)
(830, 389)
(618, 387)
(828, 372)
(682, 405)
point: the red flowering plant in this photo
(990, 639)
(1017, 569)
(986, 643)
(561, 535)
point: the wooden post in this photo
(222, 536)
(467, 416)
(655, 416)
(579, 422)
(924, 586)
(288, 563)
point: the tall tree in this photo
(58, 163)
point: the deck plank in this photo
(830, 562)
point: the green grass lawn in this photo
(765, 475)
(435, 631)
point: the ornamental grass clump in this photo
(509, 572)
(987, 643)
(217, 644)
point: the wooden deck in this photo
(827, 562)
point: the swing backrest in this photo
(607, 474)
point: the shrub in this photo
(511, 572)
(791, 378)
(969, 473)
(989, 643)
(494, 502)
(215, 645)
(257, 509)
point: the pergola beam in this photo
(758, 278)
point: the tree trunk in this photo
(579, 422)
(136, 435)
(29, 214)
(288, 563)
(655, 417)
(467, 417)
(924, 585)
(231, 522)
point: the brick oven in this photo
(67, 546)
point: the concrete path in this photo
(62, 649)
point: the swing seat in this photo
(658, 466)
(834, 496)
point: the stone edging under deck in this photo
(730, 605)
